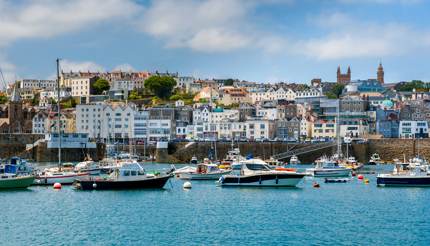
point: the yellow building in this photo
(324, 129)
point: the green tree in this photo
(100, 86)
(161, 86)
(336, 91)
(3, 98)
(409, 86)
(229, 82)
(134, 95)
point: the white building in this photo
(220, 114)
(105, 121)
(413, 129)
(270, 113)
(38, 123)
(272, 94)
(310, 93)
(37, 84)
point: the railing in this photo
(304, 150)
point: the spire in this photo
(338, 69)
(349, 70)
(15, 97)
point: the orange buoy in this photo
(360, 176)
(316, 185)
(366, 181)
(57, 186)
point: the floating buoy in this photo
(187, 185)
(366, 181)
(57, 186)
(316, 185)
(94, 185)
(360, 176)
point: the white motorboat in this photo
(204, 171)
(63, 175)
(88, 166)
(375, 159)
(325, 167)
(294, 160)
(193, 160)
(350, 163)
(415, 173)
(256, 172)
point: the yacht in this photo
(273, 162)
(294, 160)
(233, 156)
(415, 173)
(375, 159)
(129, 176)
(326, 167)
(350, 163)
(88, 166)
(256, 172)
(63, 175)
(204, 171)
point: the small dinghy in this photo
(336, 180)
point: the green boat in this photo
(12, 181)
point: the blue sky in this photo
(265, 41)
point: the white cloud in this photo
(349, 38)
(83, 66)
(48, 18)
(124, 67)
(208, 26)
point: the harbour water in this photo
(334, 214)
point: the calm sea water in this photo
(335, 214)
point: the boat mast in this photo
(339, 150)
(59, 113)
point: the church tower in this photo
(15, 113)
(343, 78)
(380, 73)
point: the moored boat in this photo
(325, 167)
(416, 173)
(14, 181)
(294, 160)
(128, 176)
(375, 159)
(204, 171)
(255, 172)
(88, 166)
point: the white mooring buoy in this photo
(187, 185)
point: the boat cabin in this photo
(206, 168)
(250, 166)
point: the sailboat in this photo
(58, 174)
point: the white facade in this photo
(39, 123)
(105, 121)
(221, 115)
(37, 84)
(310, 93)
(273, 94)
(413, 129)
(80, 86)
(270, 113)
(127, 84)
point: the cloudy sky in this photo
(257, 40)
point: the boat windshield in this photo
(257, 167)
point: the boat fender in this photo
(366, 181)
(94, 185)
(187, 185)
(316, 185)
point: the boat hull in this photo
(403, 181)
(19, 182)
(202, 176)
(262, 180)
(62, 179)
(101, 184)
(329, 173)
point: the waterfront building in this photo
(413, 129)
(288, 129)
(219, 114)
(67, 122)
(39, 121)
(354, 128)
(324, 129)
(270, 113)
(69, 140)
(387, 122)
(260, 129)
(18, 119)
